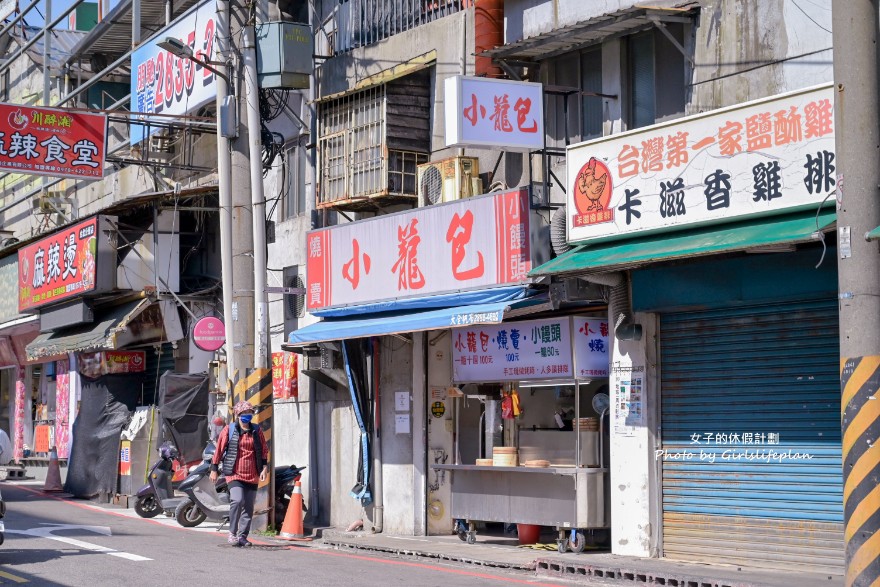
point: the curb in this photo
(428, 555)
(571, 571)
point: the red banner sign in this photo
(49, 141)
(112, 363)
(285, 383)
(58, 267)
(470, 244)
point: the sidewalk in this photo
(503, 552)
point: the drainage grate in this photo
(566, 570)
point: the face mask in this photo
(246, 418)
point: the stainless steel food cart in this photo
(570, 498)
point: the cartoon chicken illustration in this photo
(591, 185)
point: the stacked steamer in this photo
(505, 456)
(587, 424)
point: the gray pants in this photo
(241, 507)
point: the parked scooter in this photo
(285, 480)
(205, 500)
(210, 501)
(157, 496)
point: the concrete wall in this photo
(524, 19)
(750, 49)
(440, 432)
(635, 504)
(395, 376)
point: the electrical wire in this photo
(822, 234)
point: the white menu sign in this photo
(513, 351)
(592, 353)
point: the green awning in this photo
(752, 234)
(874, 235)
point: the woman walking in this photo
(244, 455)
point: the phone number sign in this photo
(50, 141)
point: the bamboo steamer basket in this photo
(505, 456)
(484, 462)
(537, 464)
(585, 424)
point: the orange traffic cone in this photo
(292, 529)
(53, 475)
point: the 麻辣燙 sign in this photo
(71, 262)
(758, 158)
(51, 141)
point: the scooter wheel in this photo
(188, 514)
(147, 507)
(579, 543)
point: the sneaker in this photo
(244, 542)
(233, 540)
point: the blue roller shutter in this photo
(759, 371)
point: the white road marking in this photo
(47, 532)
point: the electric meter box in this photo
(284, 55)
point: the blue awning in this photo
(399, 322)
(459, 298)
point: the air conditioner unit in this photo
(448, 180)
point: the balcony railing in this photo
(363, 22)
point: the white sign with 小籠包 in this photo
(485, 112)
(513, 351)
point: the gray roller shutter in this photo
(758, 370)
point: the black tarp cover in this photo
(106, 406)
(183, 405)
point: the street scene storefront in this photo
(537, 454)
(387, 307)
(94, 361)
(717, 228)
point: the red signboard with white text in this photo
(49, 141)
(67, 264)
(469, 244)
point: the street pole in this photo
(855, 36)
(250, 311)
(258, 201)
(242, 312)
(224, 181)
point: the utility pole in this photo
(242, 278)
(855, 36)
(224, 181)
(249, 312)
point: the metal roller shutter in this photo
(156, 365)
(759, 370)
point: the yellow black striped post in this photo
(256, 387)
(860, 423)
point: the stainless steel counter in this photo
(554, 470)
(564, 497)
